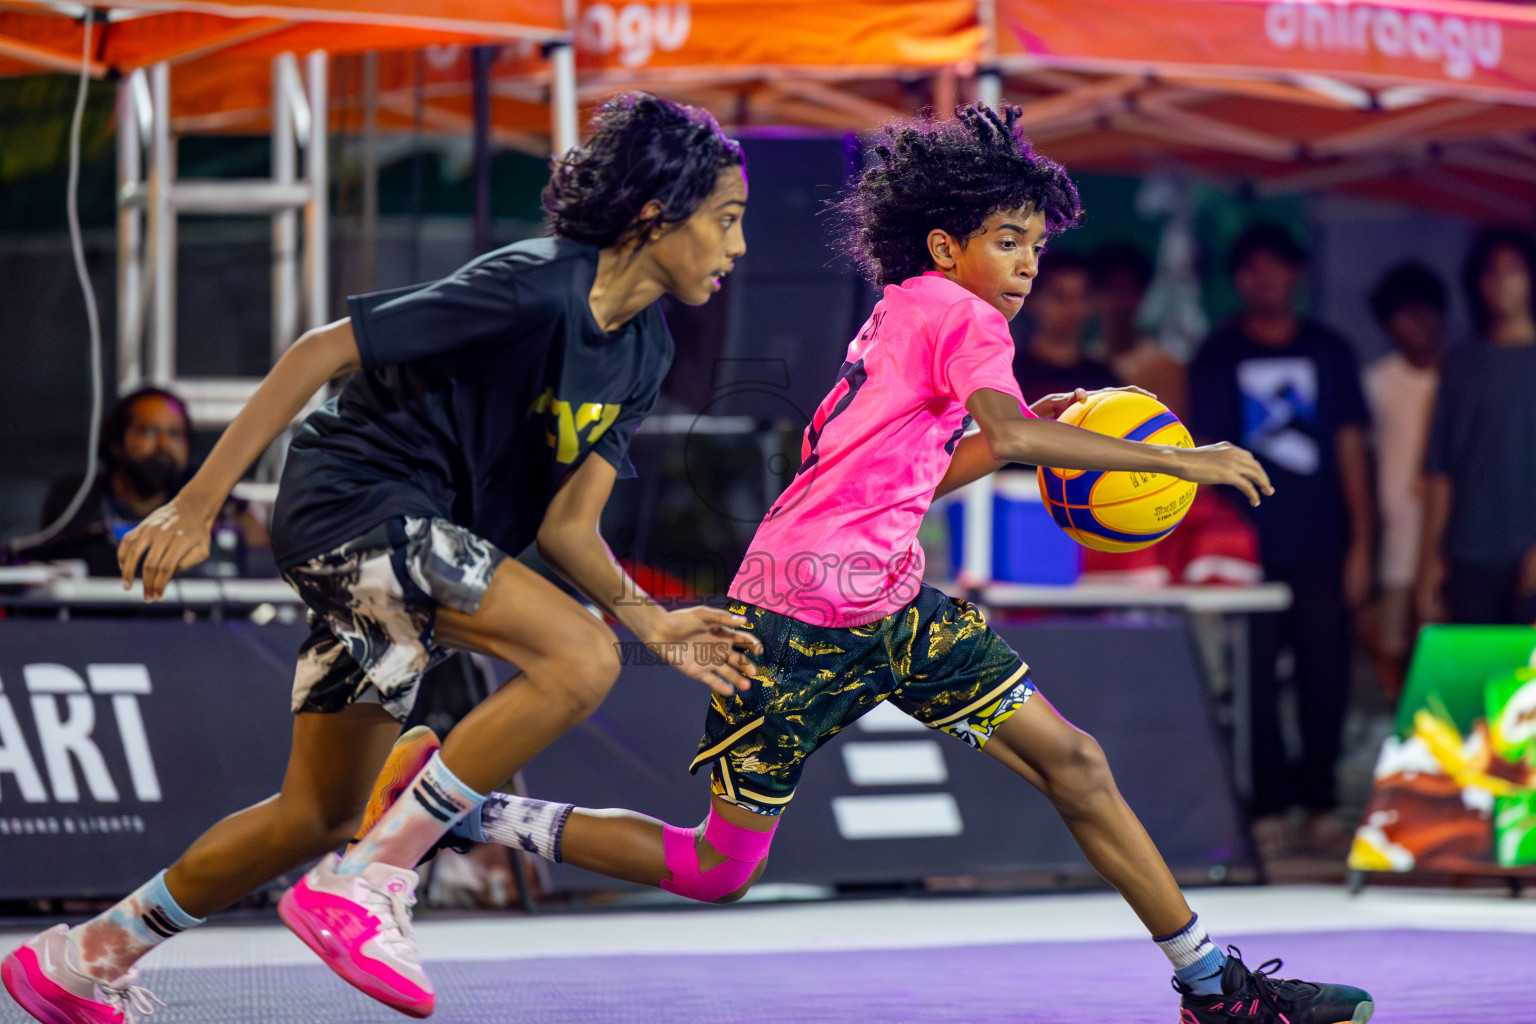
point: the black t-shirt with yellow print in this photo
(478, 394)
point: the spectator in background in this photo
(1409, 304)
(145, 459)
(1049, 360)
(1121, 273)
(1479, 553)
(1288, 389)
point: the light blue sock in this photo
(469, 826)
(1197, 963)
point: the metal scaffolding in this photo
(152, 198)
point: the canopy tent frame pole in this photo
(563, 95)
(317, 250)
(482, 57)
(989, 81)
(563, 135)
(160, 366)
(368, 222)
(285, 223)
(130, 238)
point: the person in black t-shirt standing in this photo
(1289, 389)
(469, 432)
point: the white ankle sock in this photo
(106, 946)
(435, 802)
(1197, 963)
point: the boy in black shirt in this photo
(1289, 389)
(467, 434)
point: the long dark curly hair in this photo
(642, 148)
(945, 174)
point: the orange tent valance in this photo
(493, 18)
(35, 36)
(726, 34)
(700, 51)
(1471, 48)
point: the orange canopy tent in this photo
(749, 61)
(131, 34)
(1427, 101)
(1432, 102)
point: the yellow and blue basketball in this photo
(1119, 511)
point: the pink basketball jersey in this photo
(839, 546)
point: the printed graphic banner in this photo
(1455, 785)
(121, 741)
(1473, 44)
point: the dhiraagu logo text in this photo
(571, 427)
(1459, 43)
(634, 30)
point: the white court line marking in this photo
(875, 924)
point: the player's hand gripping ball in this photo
(1119, 511)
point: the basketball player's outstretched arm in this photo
(1011, 437)
(973, 457)
(176, 535)
(704, 642)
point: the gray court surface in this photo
(1428, 959)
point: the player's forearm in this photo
(973, 460)
(1355, 481)
(314, 359)
(1042, 442)
(579, 553)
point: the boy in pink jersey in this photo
(951, 221)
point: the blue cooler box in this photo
(1027, 545)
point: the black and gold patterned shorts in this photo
(373, 607)
(936, 659)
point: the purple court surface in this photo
(1448, 959)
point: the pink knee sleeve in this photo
(744, 849)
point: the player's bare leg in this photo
(627, 845)
(336, 758)
(568, 660)
(354, 911)
(331, 768)
(86, 973)
(1069, 767)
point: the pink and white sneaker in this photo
(40, 977)
(360, 925)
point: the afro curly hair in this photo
(945, 174)
(642, 148)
